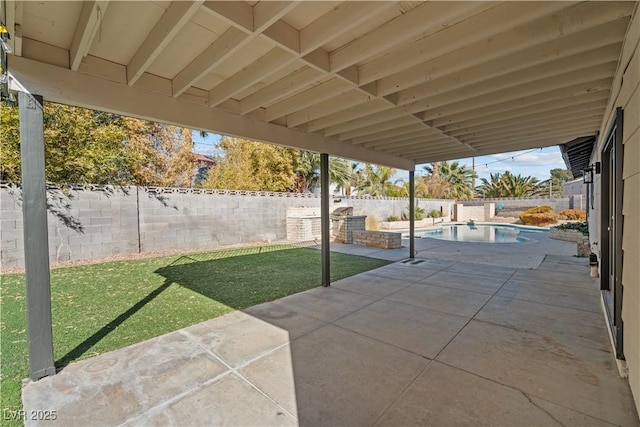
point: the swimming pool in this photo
(480, 233)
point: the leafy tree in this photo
(558, 177)
(162, 155)
(81, 146)
(251, 165)
(508, 185)
(9, 143)
(86, 146)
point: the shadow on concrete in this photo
(432, 343)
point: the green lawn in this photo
(102, 307)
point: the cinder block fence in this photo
(94, 222)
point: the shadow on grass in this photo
(238, 278)
(253, 278)
(86, 345)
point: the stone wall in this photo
(304, 224)
(581, 240)
(346, 226)
(377, 239)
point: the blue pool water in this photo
(483, 233)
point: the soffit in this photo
(397, 82)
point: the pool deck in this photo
(465, 334)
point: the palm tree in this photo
(519, 186)
(400, 189)
(308, 172)
(459, 179)
(491, 187)
(377, 182)
(449, 180)
(508, 185)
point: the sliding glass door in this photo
(611, 230)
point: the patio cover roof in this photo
(394, 83)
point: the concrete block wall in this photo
(489, 211)
(575, 187)
(578, 202)
(93, 222)
(96, 222)
(11, 229)
(557, 203)
(172, 220)
(377, 239)
(383, 207)
(83, 224)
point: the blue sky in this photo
(536, 163)
(205, 145)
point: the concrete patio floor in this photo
(469, 334)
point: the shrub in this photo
(538, 215)
(435, 213)
(418, 213)
(573, 215)
(545, 218)
(392, 218)
(539, 209)
(582, 227)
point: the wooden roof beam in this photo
(91, 15)
(586, 79)
(504, 44)
(13, 11)
(281, 89)
(550, 116)
(493, 23)
(421, 21)
(530, 103)
(223, 48)
(172, 21)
